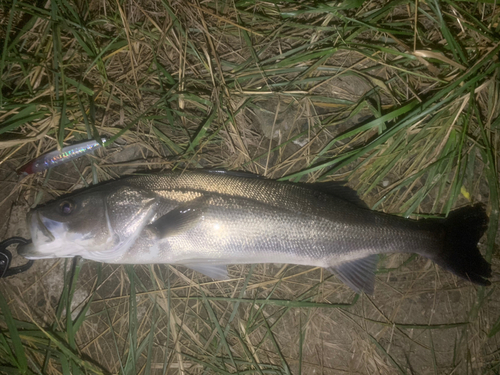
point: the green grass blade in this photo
(130, 363)
(20, 355)
(215, 322)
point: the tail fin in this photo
(460, 255)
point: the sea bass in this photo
(206, 220)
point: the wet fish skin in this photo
(208, 219)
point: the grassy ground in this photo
(400, 98)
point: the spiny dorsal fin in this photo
(337, 189)
(243, 174)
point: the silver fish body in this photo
(209, 219)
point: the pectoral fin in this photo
(217, 272)
(179, 220)
(358, 274)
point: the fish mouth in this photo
(26, 250)
(39, 223)
(40, 228)
(30, 252)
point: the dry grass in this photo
(400, 98)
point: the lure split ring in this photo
(6, 257)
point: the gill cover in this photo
(128, 211)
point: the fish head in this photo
(96, 224)
(68, 226)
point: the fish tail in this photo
(460, 254)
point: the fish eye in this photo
(66, 207)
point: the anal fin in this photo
(358, 274)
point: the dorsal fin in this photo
(233, 173)
(337, 189)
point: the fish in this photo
(57, 157)
(208, 219)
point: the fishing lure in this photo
(55, 158)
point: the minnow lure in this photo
(55, 158)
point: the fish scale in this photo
(208, 219)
